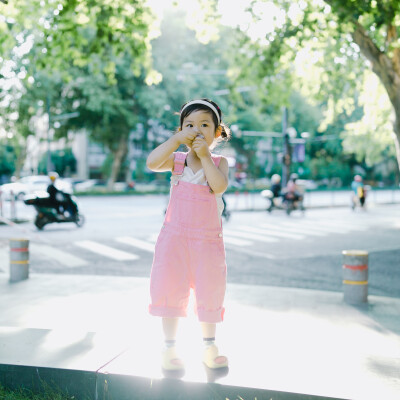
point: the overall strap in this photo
(179, 163)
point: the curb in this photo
(85, 385)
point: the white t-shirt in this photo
(197, 178)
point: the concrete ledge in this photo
(85, 385)
(81, 384)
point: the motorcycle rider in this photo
(55, 195)
(276, 186)
(292, 191)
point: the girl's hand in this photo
(200, 146)
(186, 136)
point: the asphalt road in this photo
(303, 250)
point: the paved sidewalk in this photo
(288, 340)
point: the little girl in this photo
(190, 251)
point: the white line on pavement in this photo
(319, 227)
(272, 232)
(153, 238)
(253, 236)
(252, 253)
(295, 229)
(140, 244)
(4, 258)
(60, 256)
(106, 251)
(236, 241)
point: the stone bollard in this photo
(19, 259)
(355, 276)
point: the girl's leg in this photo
(170, 327)
(211, 357)
(170, 360)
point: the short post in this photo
(19, 259)
(13, 213)
(355, 276)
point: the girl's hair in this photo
(225, 133)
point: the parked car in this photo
(32, 185)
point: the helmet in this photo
(294, 176)
(275, 178)
(53, 176)
(358, 178)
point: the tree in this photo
(89, 42)
(346, 29)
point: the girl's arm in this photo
(217, 177)
(161, 158)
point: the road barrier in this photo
(19, 259)
(355, 276)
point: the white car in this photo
(31, 185)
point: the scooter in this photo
(273, 202)
(47, 213)
(282, 202)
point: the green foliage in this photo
(7, 160)
(83, 56)
(48, 393)
(64, 162)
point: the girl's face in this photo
(201, 121)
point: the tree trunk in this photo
(396, 126)
(21, 157)
(118, 158)
(388, 71)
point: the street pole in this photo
(286, 153)
(48, 163)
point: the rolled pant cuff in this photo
(167, 312)
(211, 317)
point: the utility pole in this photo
(57, 117)
(48, 163)
(286, 150)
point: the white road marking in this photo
(4, 258)
(106, 251)
(253, 236)
(140, 244)
(319, 227)
(63, 257)
(353, 225)
(153, 238)
(252, 253)
(295, 229)
(236, 241)
(272, 232)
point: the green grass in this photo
(24, 394)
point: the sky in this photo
(233, 13)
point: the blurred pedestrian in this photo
(190, 251)
(359, 193)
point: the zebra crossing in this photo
(240, 237)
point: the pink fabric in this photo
(179, 163)
(189, 254)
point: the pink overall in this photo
(189, 253)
